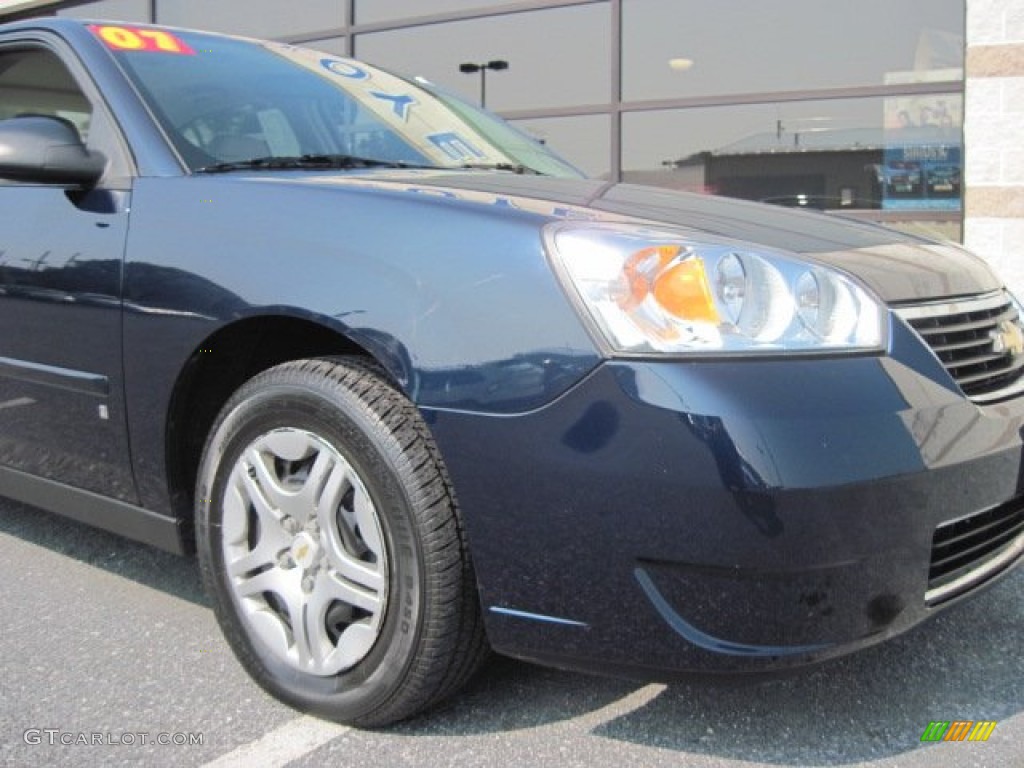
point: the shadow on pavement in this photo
(965, 664)
(510, 695)
(146, 565)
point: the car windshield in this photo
(228, 103)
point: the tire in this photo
(323, 505)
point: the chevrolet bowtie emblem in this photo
(1008, 337)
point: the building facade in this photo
(897, 111)
(994, 137)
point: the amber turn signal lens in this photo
(680, 286)
(640, 272)
(683, 290)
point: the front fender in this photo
(454, 298)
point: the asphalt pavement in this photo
(110, 656)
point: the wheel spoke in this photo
(361, 574)
(366, 519)
(283, 583)
(268, 496)
(352, 593)
(264, 554)
(326, 471)
(348, 564)
(242, 492)
(297, 615)
(235, 513)
(288, 638)
(314, 629)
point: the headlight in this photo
(651, 291)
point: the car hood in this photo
(899, 268)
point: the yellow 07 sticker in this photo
(140, 39)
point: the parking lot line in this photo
(631, 702)
(281, 745)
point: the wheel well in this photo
(224, 362)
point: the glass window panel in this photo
(579, 75)
(122, 10)
(686, 48)
(584, 141)
(37, 82)
(368, 11)
(895, 154)
(259, 18)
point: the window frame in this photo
(105, 134)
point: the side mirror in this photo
(47, 150)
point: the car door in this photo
(62, 410)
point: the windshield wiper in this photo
(305, 162)
(511, 167)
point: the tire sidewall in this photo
(337, 416)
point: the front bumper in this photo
(732, 516)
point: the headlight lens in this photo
(650, 291)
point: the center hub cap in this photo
(305, 550)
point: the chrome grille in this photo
(965, 552)
(977, 341)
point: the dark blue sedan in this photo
(413, 388)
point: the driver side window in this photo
(34, 81)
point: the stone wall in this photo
(994, 136)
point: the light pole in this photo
(470, 68)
